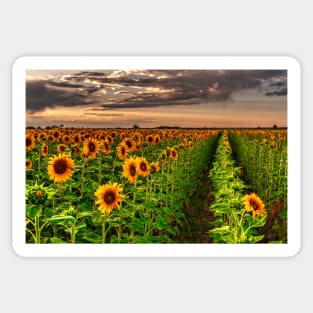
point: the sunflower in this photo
(30, 142)
(173, 154)
(129, 144)
(61, 148)
(155, 167)
(143, 167)
(253, 204)
(44, 150)
(157, 139)
(106, 147)
(28, 163)
(56, 134)
(150, 139)
(77, 138)
(122, 152)
(51, 139)
(66, 139)
(110, 139)
(60, 168)
(109, 197)
(91, 147)
(164, 157)
(130, 169)
(76, 150)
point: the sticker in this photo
(156, 156)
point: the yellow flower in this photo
(252, 203)
(130, 169)
(60, 168)
(91, 147)
(109, 197)
(143, 167)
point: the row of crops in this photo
(111, 186)
(132, 186)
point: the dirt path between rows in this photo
(198, 215)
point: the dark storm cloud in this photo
(126, 89)
(42, 94)
(282, 92)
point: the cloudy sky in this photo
(151, 98)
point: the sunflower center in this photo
(109, 197)
(123, 150)
(143, 166)
(106, 146)
(128, 144)
(150, 139)
(60, 167)
(91, 146)
(254, 205)
(28, 142)
(132, 170)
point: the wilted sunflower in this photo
(143, 167)
(28, 163)
(122, 152)
(44, 150)
(155, 167)
(252, 203)
(130, 169)
(60, 168)
(30, 142)
(109, 197)
(91, 147)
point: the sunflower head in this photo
(91, 147)
(122, 152)
(150, 139)
(44, 150)
(129, 144)
(61, 148)
(157, 139)
(30, 142)
(143, 167)
(106, 147)
(173, 154)
(28, 164)
(60, 168)
(155, 167)
(108, 197)
(130, 169)
(252, 203)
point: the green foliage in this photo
(232, 223)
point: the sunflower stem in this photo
(37, 229)
(103, 227)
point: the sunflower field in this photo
(90, 185)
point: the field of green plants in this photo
(136, 185)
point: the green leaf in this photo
(59, 219)
(56, 240)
